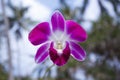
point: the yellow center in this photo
(59, 45)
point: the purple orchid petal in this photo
(42, 53)
(57, 21)
(77, 52)
(40, 33)
(57, 59)
(75, 31)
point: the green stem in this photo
(48, 69)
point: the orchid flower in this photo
(58, 39)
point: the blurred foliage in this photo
(18, 19)
(104, 37)
(23, 78)
(17, 23)
(104, 41)
(3, 73)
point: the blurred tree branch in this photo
(6, 24)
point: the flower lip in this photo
(59, 58)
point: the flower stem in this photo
(48, 69)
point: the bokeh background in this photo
(101, 20)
